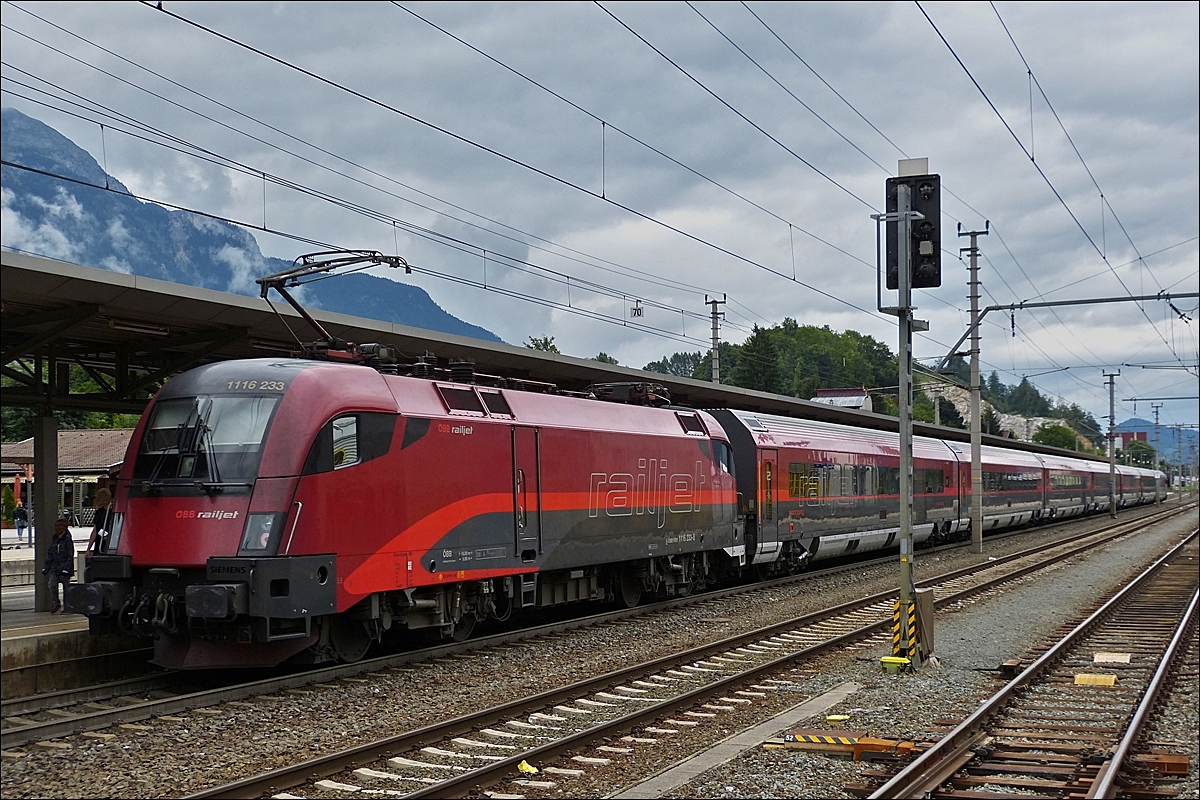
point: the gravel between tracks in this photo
(175, 756)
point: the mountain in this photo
(79, 221)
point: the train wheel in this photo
(463, 629)
(629, 588)
(350, 639)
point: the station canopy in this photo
(131, 334)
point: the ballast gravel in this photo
(235, 740)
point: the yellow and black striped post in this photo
(905, 640)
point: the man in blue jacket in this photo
(60, 562)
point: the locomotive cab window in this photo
(205, 438)
(345, 442)
(723, 455)
(350, 439)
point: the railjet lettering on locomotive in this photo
(191, 513)
(652, 491)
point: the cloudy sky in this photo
(692, 149)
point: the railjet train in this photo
(295, 509)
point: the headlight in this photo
(261, 534)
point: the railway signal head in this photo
(926, 240)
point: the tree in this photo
(922, 408)
(543, 343)
(989, 423)
(1055, 436)
(949, 413)
(682, 364)
(605, 358)
(1026, 400)
(758, 364)
(729, 360)
(10, 503)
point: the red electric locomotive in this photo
(275, 509)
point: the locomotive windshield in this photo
(207, 442)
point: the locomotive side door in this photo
(768, 514)
(527, 492)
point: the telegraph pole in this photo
(976, 420)
(1112, 444)
(716, 335)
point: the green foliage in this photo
(1026, 400)
(682, 364)
(758, 366)
(950, 416)
(989, 422)
(543, 343)
(729, 360)
(1081, 421)
(922, 410)
(10, 503)
(605, 358)
(1138, 454)
(16, 424)
(795, 360)
(1055, 436)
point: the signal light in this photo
(925, 193)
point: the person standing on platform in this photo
(21, 518)
(98, 543)
(60, 562)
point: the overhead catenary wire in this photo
(1042, 173)
(504, 156)
(1104, 198)
(195, 151)
(584, 258)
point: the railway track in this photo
(475, 751)
(1070, 722)
(57, 714)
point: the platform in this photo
(40, 651)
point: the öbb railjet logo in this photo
(191, 513)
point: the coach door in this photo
(768, 514)
(527, 492)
